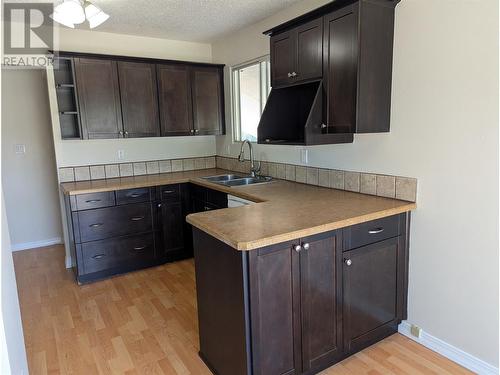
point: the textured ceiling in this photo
(191, 20)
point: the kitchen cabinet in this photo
(98, 98)
(130, 97)
(139, 100)
(176, 107)
(208, 100)
(300, 306)
(297, 54)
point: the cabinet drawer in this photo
(93, 200)
(371, 231)
(169, 193)
(114, 221)
(133, 195)
(116, 252)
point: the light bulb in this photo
(69, 12)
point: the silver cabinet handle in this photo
(376, 231)
(159, 204)
(197, 131)
(207, 208)
(348, 262)
(192, 131)
(137, 218)
(305, 246)
(93, 201)
(168, 191)
(290, 75)
(297, 248)
(126, 134)
(139, 248)
(96, 225)
(121, 133)
(134, 195)
(98, 256)
(294, 74)
(323, 126)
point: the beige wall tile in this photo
(301, 174)
(290, 172)
(312, 176)
(176, 165)
(351, 181)
(188, 164)
(273, 170)
(406, 189)
(97, 172)
(82, 173)
(66, 175)
(126, 170)
(386, 186)
(165, 166)
(199, 163)
(152, 167)
(264, 168)
(368, 184)
(112, 170)
(139, 168)
(324, 177)
(210, 162)
(281, 171)
(337, 179)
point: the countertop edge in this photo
(256, 244)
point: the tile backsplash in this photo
(404, 188)
(97, 172)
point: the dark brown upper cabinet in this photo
(139, 99)
(297, 54)
(99, 98)
(208, 101)
(130, 97)
(345, 46)
(176, 107)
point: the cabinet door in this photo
(207, 100)
(275, 310)
(341, 67)
(309, 50)
(320, 306)
(283, 51)
(176, 109)
(172, 227)
(139, 99)
(99, 98)
(370, 287)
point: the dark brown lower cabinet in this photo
(300, 306)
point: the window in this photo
(251, 86)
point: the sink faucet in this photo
(254, 169)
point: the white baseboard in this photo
(36, 244)
(68, 261)
(449, 351)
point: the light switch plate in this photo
(304, 156)
(20, 149)
(121, 154)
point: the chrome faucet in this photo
(254, 168)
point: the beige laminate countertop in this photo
(285, 210)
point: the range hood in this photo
(293, 115)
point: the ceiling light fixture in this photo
(73, 12)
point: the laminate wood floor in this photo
(145, 322)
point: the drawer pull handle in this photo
(168, 191)
(93, 201)
(348, 262)
(207, 208)
(137, 218)
(139, 248)
(96, 225)
(135, 195)
(98, 256)
(376, 231)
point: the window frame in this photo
(265, 76)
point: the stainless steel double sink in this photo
(237, 180)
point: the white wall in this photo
(13, 352)
(444, 131)
(30, 180)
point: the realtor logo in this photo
(28, 35)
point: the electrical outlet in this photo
(304, 156)
(415, 330)
(121, 154)
(20, 149)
